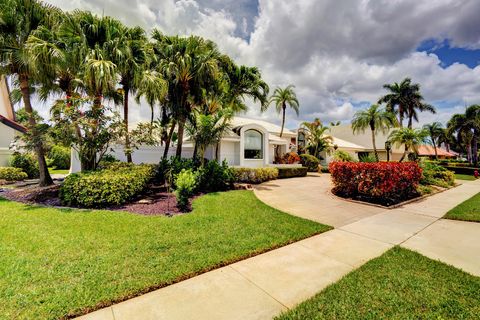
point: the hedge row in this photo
(113, 186)
(284, 173)
(255, 175)
(462, 170)
(387, 180)
(12, 174)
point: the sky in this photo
(338, 54)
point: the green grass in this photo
(400, 284)
(56, 262)
(466, 177)
(58, 171)
(466, 211)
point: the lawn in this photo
(65, 262)
(467, 211)
(58, 171)
(400, 284)
(467, 177)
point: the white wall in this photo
(230, 151)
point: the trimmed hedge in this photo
(462, 170)
(385, 181)
(113, 186)
(12, 174)
(255, 175)
(433, 174)
(309, 161)
(284, 173)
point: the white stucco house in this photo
(249, 143)
(9, 128)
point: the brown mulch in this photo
(154, 201)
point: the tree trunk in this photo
(374, 145)
(181, 129)
(169, 139)
(128, 152)
(436, 151)
(195, 151)
(217, 147)
(45, 178)
(410, 121)
(284, 107)
(475, 148)
(469, 152)
(404, 153)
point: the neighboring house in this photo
(427, 151)
(249, 143)
(9, 128)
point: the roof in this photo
(346, 144)
(13, 124)
(272, 128)
(427, 150)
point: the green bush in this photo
(12, 174)
(26, 162)
(215, 177)
(172, 167)
(323, 169)
(106, 161)
(340, 155)
(59, 157)
(368, 158)
(255, 175)
(309, 161)
(113, 186)
(186, 182)
(284, 173)
(433, 174)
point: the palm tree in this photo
(473, 115)
(435, 131)
(283, 97)
(315, 134)
(404, 100)
(18, 20)
(410, 138)
(377, 119)
(459, 125)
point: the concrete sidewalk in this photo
(263, 286)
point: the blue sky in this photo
(450, 55)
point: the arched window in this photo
(253, 148)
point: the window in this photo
(253, 144)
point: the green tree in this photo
(18, 20)
(460, 126)
(316, 136)
(376, 119)
(405, 100)
(283, 98)
(410, 138)
(435, 131)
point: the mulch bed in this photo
(154, 201)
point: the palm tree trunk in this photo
(284, 107)
(374, 145)
(181, 129)
(45, 178)
(436, 151)
(128, 152)
(169, 139)
(469, 152)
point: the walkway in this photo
(264, 286)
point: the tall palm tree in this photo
(316, 136)
(435, 131)
(18, 20)
(473, 115)
(410, 138)
(461, 127)
(283, 98)
(404, 99)
(377, 119)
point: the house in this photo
(427, 151)
(9, 128)
(248, 143)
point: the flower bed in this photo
(385, 183)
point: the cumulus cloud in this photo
(338, 54)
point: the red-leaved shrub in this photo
(386, 180)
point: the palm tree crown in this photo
(283, 97)
(410, 138)
(435, 131)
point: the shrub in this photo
(284, 173)
(340, 155)
(433, 174)
(215, 177)
(113, 186)
(323, 169)
(12, 174)
(255, 175)
(172, 167)
(185, 182)
(383, 181)
(368, 158)
(309, 161)
(26, 162)
(106, 160)
(59, 157)
(291, 158)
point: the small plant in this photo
(309, 161)
(26, 162)
(12, 174)
(215, 177)
(368, 158)
(344, 156)
(59, 157)
(186, 182)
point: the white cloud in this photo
(337, 53)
